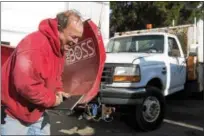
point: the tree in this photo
(127, 16)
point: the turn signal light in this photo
(126, 79)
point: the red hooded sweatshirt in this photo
(32, 74)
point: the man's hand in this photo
(63, 94)
(59, 97)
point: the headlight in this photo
(127, 74)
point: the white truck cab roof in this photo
(140, 34)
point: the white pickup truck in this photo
(142, 67)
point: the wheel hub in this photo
(151, 109)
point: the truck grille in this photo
(107, 75)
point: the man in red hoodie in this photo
(31, 77)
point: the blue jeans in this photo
(14, 127)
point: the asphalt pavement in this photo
(185, 117)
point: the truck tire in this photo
(150, 113)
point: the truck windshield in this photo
(140, 44)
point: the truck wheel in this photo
(150, 113)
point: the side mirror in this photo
(170, 53)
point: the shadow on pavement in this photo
(188, 109)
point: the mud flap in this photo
(84, 64)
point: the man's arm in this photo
(29, 71)
(59, 87)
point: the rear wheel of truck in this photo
(150, 113)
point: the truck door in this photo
(177, 65)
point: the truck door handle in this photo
(164, 70)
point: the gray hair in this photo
(63, 18)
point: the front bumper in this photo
(122, 96)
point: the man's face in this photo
(72, 32)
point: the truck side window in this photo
(173, 48)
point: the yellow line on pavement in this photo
(184, 124)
